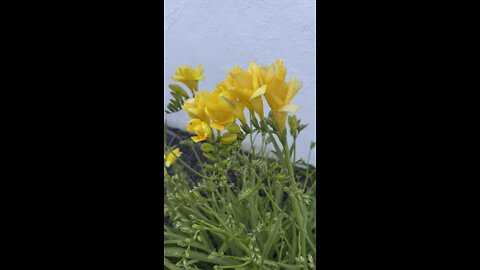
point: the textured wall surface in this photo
(222, 33)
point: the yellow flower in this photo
(195, 107)
(189, 76)
(246, 88)
(218, 110)
(231, 98)
(201, 128)
(279, 93)
(172, 157)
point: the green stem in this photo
(237, 266)
(301, 218)
(277, 148)
(191, 169)
(288, 159)
(197, 156)
(308, 168)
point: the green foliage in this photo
(241, 211)
(179, 97)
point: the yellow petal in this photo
(191, 126)
(260, 91)
(198, 139)
(256, 75)
(178, 78)
(177, 152)
(281, 118)
(280, 70)
(257, 104)
(290, 108)
(243, 80)
(200, 71)
(217, 126)
(278, 88)
(273, 100)
(293, 89)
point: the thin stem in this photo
(277, 148)
(301, 218)
(196, 155)
(191, 169)
(237, 266)
(308, 168)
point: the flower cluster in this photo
(241, 89)
(262, 198)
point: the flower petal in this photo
(217, 126)
(291, 108)
(293, 89)
(260, 91)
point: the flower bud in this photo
(207, 148)
(264, 125)
(210, 156)
(293, 123)
(246, 128)
(254, 122)
(209, 167)
(233, 128)
(179, 90)
(228, 138)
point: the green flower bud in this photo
(293, 123)
(233, 128)
(228, 138)
(178, 89)
(264, 125)
(254, 121)
(209, 167)
(171, 107)
(210, 156)
(246, 129)
(207, 148)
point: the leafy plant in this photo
(239, 210)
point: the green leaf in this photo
(169, 264)
(273, 235)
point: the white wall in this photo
(222, 33)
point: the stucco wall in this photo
(222, 33)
